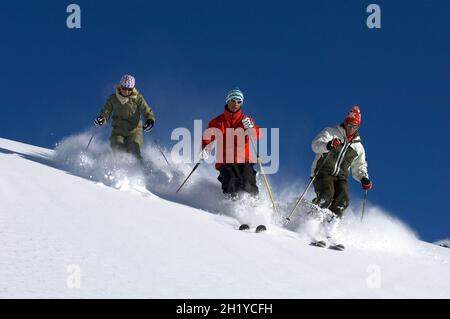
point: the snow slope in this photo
(76, 224)
(444, 243)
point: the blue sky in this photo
(301, 65)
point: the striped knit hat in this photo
(235, 94)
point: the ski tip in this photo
(337, 247)
(244, 227)
(319, 243)
(260, 229)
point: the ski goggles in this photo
(236, 101)
(126, 89)
(351, 125)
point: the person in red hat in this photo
(338, 150)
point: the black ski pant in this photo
(238, 177)
(332, 193)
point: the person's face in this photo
(234, 105)
(351, 128)
(125, 91)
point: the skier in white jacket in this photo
(346, 152)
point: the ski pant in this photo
(332, 193)
(129, 144)
(238, 177)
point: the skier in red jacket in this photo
(232, 131)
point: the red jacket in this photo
(228, 152)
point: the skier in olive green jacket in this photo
(126, 106)
(346, 151)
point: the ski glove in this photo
(247, 122)
(204, 154)
(99, 121)
(333, 144)
(366, 183)
(148, 125)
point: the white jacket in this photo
(359, 164)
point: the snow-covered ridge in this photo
(83, 224)
(444, 243)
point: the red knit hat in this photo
(354, 116)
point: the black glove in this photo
(99, 121)
(148, 125)
(366, 183)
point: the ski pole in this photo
(264, 176)
(159, 148)
(193, 170)
(162, 153)
(92, 137)
(90, 140)
(364, 206)
(288, 218)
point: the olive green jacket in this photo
(345, 157)
(126, 112)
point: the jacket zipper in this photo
(337, 167)
(231, 126)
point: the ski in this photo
(260, 229)
(334, 245)
(322, 244)
(338, 247)
(244, 227)
(318, 243)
